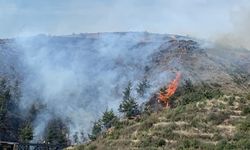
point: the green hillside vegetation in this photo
(202, 117)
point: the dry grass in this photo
(183, 127)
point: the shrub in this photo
(114, 135)
(92, 147)
(223, 144)
(190, 93)
(246, 110)
(188, 144)
(217, 117)
(168, 133)
(148, 123)
(231, 100)
(161, 142)
(217, 136)
(243, 143)
(146, 142)
(248, 96)
(245, 125)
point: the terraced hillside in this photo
(216, 123)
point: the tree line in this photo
(128, 107)
(15, 126)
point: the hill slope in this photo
(77, 77)
(217, 123)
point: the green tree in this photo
(26, 133)
(3, 112)
(142, 87)
(128, 105)
(96, 130)
(75, 138)
(108, 118)
(56, 132)
(4, 107)
(10, 119)
(127, 91)
(83, 138)
(4, 99)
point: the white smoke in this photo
(78, 77)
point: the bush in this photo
(80, 147)
(223, 144)
(243, 143)
(218, 117)
(246, 110)
(231, 100)
(189, 144)
(248, 96)
(161, 142)
(92, 147)
(114, 135)
(152, 142)
(147, 124)
(146, 142)
(190, 93)
(217, 137)
(245, 125)
(169, 134)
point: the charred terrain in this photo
(55, 88)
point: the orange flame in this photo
(170, 90)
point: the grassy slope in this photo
(217, 123)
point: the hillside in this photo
(216, 123)
(73, 79)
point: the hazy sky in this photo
(201, 18)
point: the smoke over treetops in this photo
(77, 77)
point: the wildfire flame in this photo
(170, 90)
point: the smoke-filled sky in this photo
(201, 18)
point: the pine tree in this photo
(83, 138)
(142, 87)
(4, 107)
(96, 130)
(32, 113)
(56, 132)
(26, 132)
(127, 91)
(10, 120)
(108, 118)
(75, 137)
(128, 104)
(129, 107)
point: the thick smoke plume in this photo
(77, 77)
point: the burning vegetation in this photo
(166, 93)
